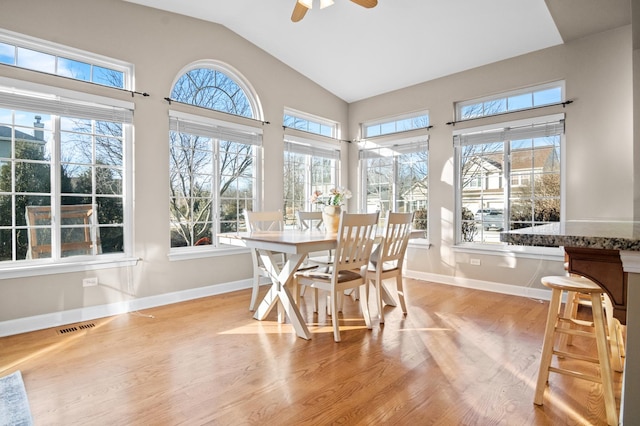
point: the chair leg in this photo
(400, 288)
(378, 287)
(254, 292)
(364, 305)
(547, 345)
(603, 355)
(334, 315)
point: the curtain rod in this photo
(169, 100)
(564, 104)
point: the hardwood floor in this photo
(460, 357)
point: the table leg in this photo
(280, 293)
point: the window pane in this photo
(108, 77)
(7, 54)
(37, 61)
(549, 96)
(520, 101)
(74, 69)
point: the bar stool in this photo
(555, 322)
(614, 327)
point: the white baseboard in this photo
(39, 322)
(532, 293)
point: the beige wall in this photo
(597, 71)
(159, 45)
(599, 162)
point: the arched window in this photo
(213, 160)
(216, 86)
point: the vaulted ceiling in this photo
(357, 53)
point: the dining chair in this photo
(309, 220)
(355, 239)
(388, 257)
(261, 221)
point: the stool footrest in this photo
(571, 355)
(574, 321)
(576, 374)
(574, 332)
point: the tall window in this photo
(308, 167)
(311, 160)
(509, 177)
(64, 170)
(395, 178)
(213, 161)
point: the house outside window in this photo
(518, 166)
(213, 161)
(394, 166)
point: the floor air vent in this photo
(73, 328)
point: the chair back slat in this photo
(356, 237)
(396, 236)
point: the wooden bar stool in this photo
(555, 322)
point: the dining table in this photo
(296, 244)
(608, 253)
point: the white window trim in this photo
(192, 252)
(531, 89)
(233, 74)
(45, 46)
(26, 268)
(504, 248)
(315, 119)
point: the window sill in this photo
(533, 252)
(36, 268)
(190, 253)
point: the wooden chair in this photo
(388, 258)
(356, 236)
(255, 222)
(309, 220)
(77, 221)
(555, 321)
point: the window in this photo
(64, 172)
(395, 178)
(38, 55)
(213, 161)
(308, 167)
(309, 123)
(398, 124)
(508, 177)
(532, 97)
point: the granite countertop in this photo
(613, 235)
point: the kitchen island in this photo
(608, 252)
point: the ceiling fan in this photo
(301, 7)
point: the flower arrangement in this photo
(337, 197)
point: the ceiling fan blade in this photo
(366, 3)
(298, 12)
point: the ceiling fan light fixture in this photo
(325, 3)
(306, 3)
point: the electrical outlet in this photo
(475, 262)
(89, 282)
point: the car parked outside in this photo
(490, 219)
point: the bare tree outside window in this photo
(209, 173)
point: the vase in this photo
(331, 218)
